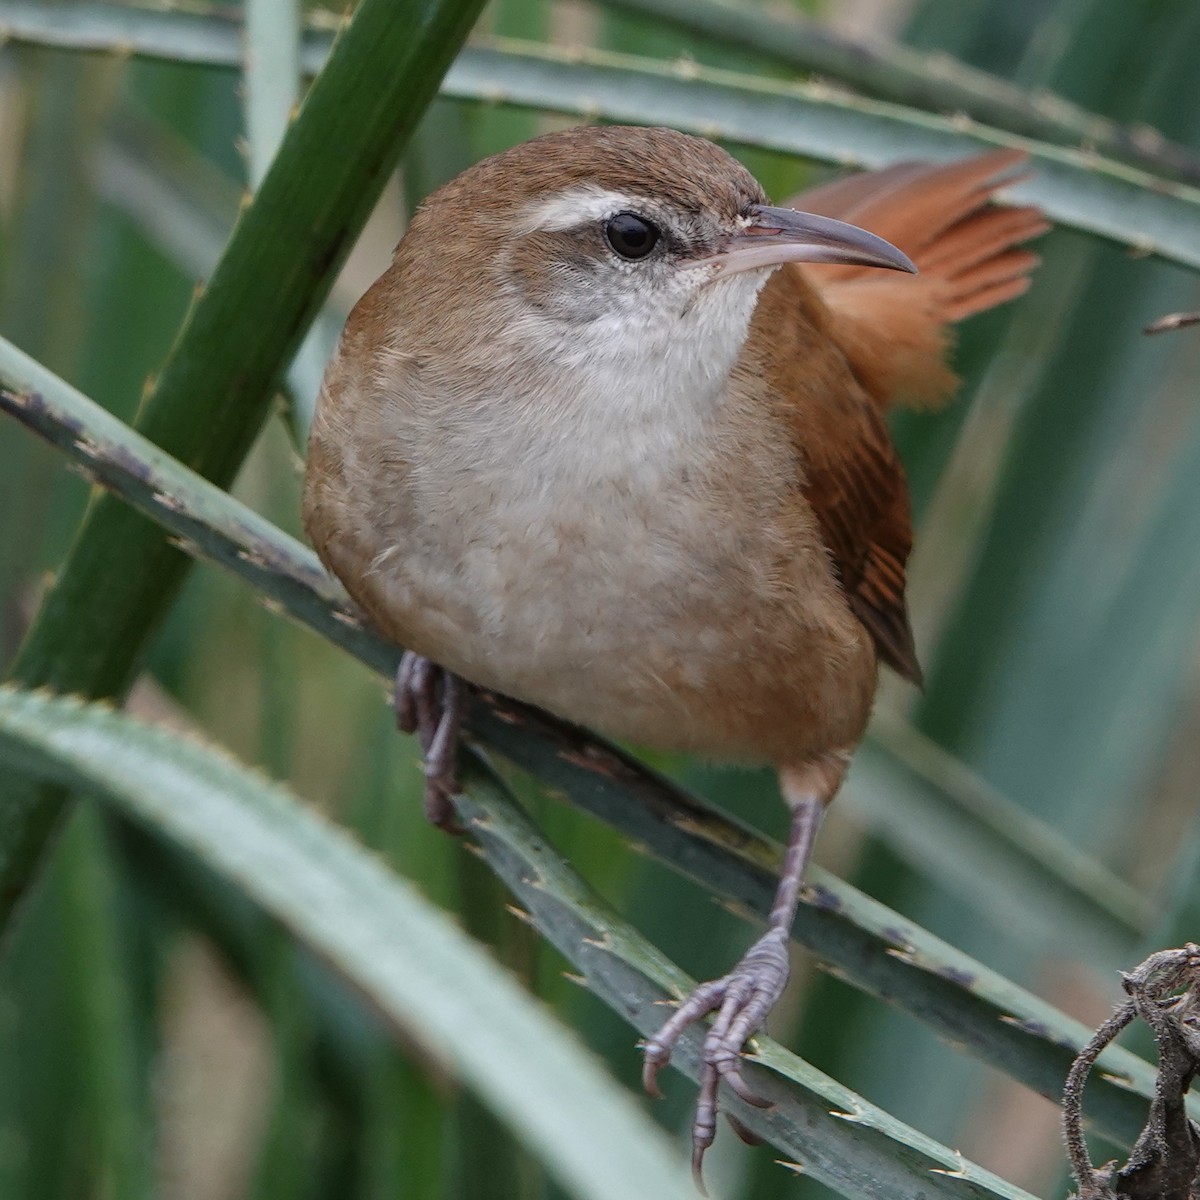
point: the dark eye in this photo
(629, 235)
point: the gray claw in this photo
(430, 702)
(741, 1000)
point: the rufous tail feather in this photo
(893, 328)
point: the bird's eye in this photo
(630, 236)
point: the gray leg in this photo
(430, 702)
(742, 999)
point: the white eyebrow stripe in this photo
(577, 206)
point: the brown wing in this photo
(851, 476)
(892, 327)
(857, 489)
(844, 342)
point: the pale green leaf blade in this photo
(407, 956)
(1076, 188)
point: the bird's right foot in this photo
(431, 702)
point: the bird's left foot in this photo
(741, 1000)
(431, 702)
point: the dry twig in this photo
(1165, 1163)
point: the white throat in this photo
(641, 384)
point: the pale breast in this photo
(643, 570)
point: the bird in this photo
(608, 436)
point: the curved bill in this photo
(774, 236)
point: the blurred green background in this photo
(1055, 590)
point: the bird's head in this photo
(602, 242)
